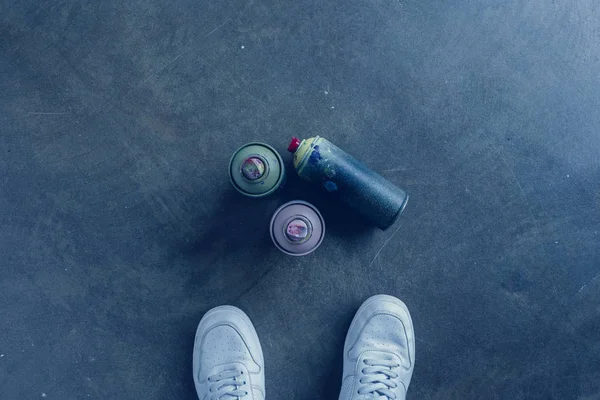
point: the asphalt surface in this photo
(119, 228)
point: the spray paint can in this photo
(366, 192)
(256, 170)
(297, 228)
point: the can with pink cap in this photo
(297, 228)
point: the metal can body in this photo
(256, 170)
(297, 228)
(366, 192)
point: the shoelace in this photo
(227, 385)
(379, 378)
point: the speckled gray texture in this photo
(119, 227)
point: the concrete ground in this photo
(119, 228)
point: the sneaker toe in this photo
(383, 324)
(225, 336)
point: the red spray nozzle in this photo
(294, 144)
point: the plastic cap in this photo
(253, 168)
(294, 144)
(298, 230)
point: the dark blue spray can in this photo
(366, 192)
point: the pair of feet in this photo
(379, 354)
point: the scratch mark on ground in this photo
(47, 113)
(387, 171)
(167, 209)
(512, 172)
(232, 81)
(384, 244)
(254, 284)
(423, 341)
(217, 28)
(592, 280)
(178, 56)
(451, 202)
(110, 103)
(184, 223)
(107, 159)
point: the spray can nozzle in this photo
(294, 144)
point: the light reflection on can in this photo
(297, 228)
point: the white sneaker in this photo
(228, 359)
(379, 353)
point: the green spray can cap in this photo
(256, 170)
